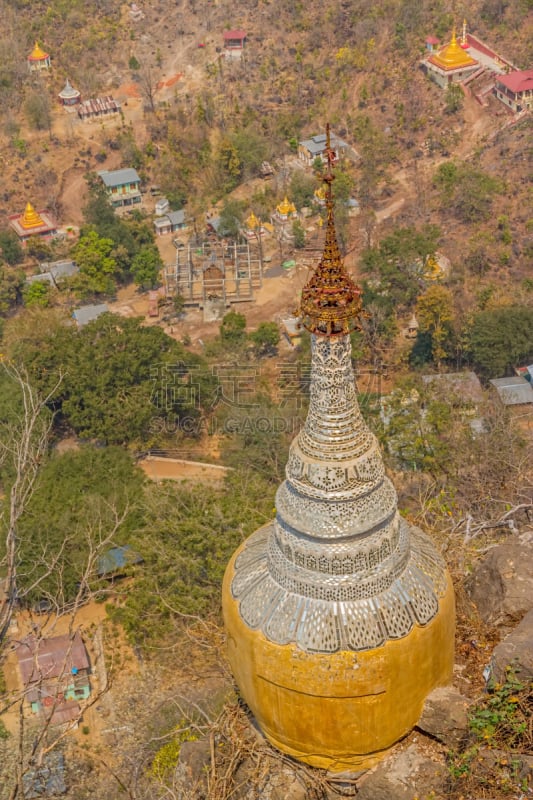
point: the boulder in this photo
(501, 585)
(445, 716)
(190, 778)
(515, 650)
(403, 776)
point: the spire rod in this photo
(331, 302)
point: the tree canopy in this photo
(501, 339)
(118, 378)
(78, 498)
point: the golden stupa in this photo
(339, 614)
(252, 222)
(286, 208)
(452, 56)
(320, 195)
(30, 218)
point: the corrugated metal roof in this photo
(86, 314)
(316, 144)
(118, 557)
(465, 385)
(176, 217)
(119, 177)
(513, 391)
(42, 659)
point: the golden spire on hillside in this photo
(452, 56)
(30, 218)
(331, 302)
(38, 54)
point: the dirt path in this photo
(176, 469)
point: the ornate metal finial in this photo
(331, 301)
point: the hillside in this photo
(434, 216)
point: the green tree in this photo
(251, 149)
(37, 293)
(146, 266)
(94, 257)
(12, 252)
(434, 310)
(38, 110)
(266, 338)
(302, 188)
(11, 285)
(454, 98)
(466, 190)
(231, 218)
(188, 537)
(231, 164)
(394, 265)
(298, 232)
(119, 378)
(233, 328)
(38, 248)
(78, 497)
(501, 339)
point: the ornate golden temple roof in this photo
(252, 222)
(331, 302)
(286, 207)
(31, 218)
(37, 54)
(452, 56)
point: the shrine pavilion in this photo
(33, 223)
(339, 613)
(69, 96)
(38, 59)
(253, 226)
(450, 64)
(234, 42)
(285, 210)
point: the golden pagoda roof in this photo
(286, 207)
(37, 54)
(31, 218)
(452, 56)
(252, 222)
(331, 302)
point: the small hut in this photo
(234, 42)
(38, 59)
(69, 96)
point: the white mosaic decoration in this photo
(338, 569)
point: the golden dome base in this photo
(341, 711)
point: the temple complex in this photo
(339, 613)
(38, 59)
(213, 275)
(33, 223)
(451, 64)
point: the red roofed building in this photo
(55, 675)
(516, 89)
(234, 42)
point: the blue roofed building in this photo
(123, 186)
(86, 314)
(116, 561)
(315, 147)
